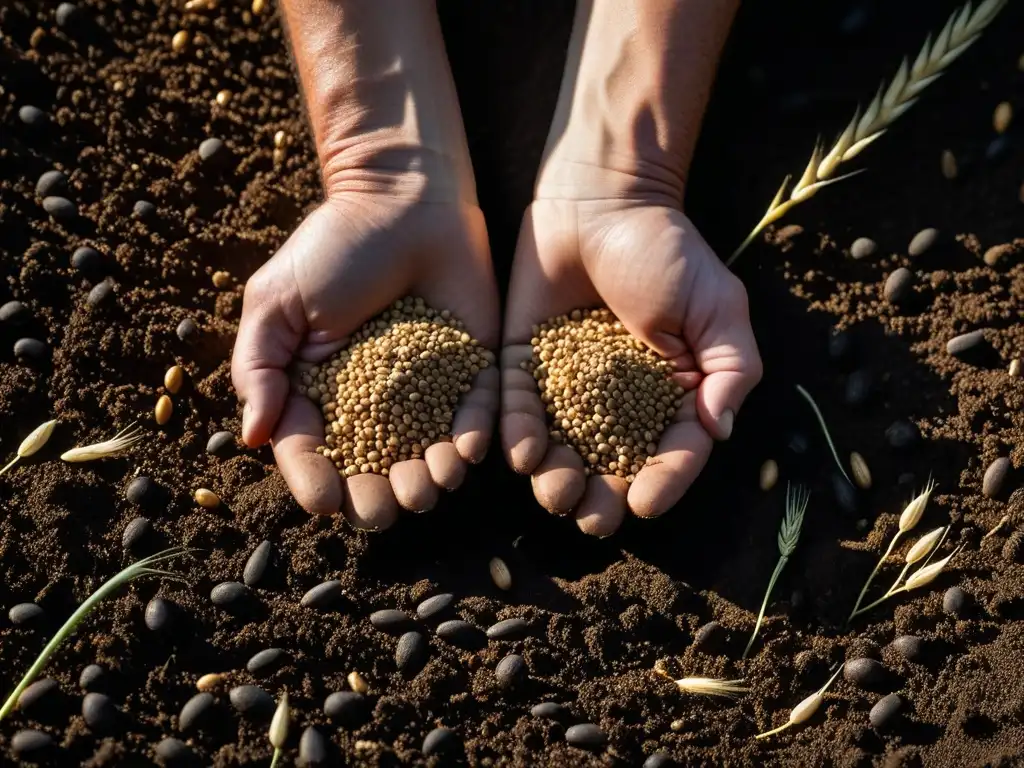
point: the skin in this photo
(607, 227)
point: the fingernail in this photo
(246, 418)
(725, 422)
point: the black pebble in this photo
(435, 606)
(585, 736)
(858, 387)
(60, 208)
(25, 614)
(508, 629)
(392, 621)
(31, 743)
(322, 595)
(159, 614)
(885, 713)
(897, 285)
(511, 671)
(196, 710)
(252, 700)
(997, 147)
(550, 710)
(995, 477)
(902, 434)
(462, 634)
(839, 346)
(143, 209)
(709, 637)
(213, 152)
(347, 708)
(411, 653)
(219, 442)
(99, 711)
(37, 693)
(140, 490)
(659, 760)
(230, 595)
(92, 678)
(100, 292)
(798, 444)
(67, 14)
(910, 647)
(30, 349)
(256, 565)
(865, 673)
(441, 741)
(51, 183)
(86, 259)
(32, 116)
(965, 343)
(14, 313)
(846, 494)
(174, 752)
(266, 661)
(187, 328)
(136, 532)
(313, 748)
(955, 601)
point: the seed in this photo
(911, 514)
(441, 741)
(550, 710)
(862, 248)
(221, 279)
(210, 681)
(898, 285)
(585, 736)
(174, 378)
(278, 733)
(392, 621)
(67, 13)
(411, 653)
(51, 183)
(948, 164)
(279, 155)
(996, 253)
(252, 701)
(885, 713)
(99, 712)
(14, 313)
(508, 629)
(60, 208)
(435, 606)
(206, 498)
(174, 752)
(32, 116)
(280, 139)
(927, 574)
(902, 434)
(955, 601)
(659, 760)
(500, 574)
(212, 151)
(266, 661)
(922, 241)
(965, 343)
(232, 596)
(159, 613)
(322, 595)
(86, 259)
(706, 686)
(30, 349)
(219, 442)
(143, 209)
(179, 41)
(511, 671)
(196, 710)
(462, 634)
(92, 678)
(923, 546)
(677, 725)
(119, 443)
(256, 565)
(99, 294)
(162, 413)
(859, 385)
(38, 35)
(347, 708)
(358, 683)
(860, 472)
(25, 614)
(136, 532)
(709, 638)
(187, 328)
(769, 475)
(31, 744)
(223, 97)
(995, 477)
(258, 6)
(1002, 116)
(313, 748)
(37, 693)
(865, 673)
(36, 439)
(141, 490)
(910, 647)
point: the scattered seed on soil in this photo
(220, 442)
(769, 475)
(500, 574)
(223, 97)
(462, 634)
(995, 477)
(511, 671)
(174, 752)
(347, 708)
(1002, 116)
(230, 595)
(60, 208)
(213, 151)
(25, 614)
(955, 601)
(221, 279)
(313, 748)
(322, 595)
(886, 712)
(358, 683)
(859, 471)
(256, 565)
(922, 241)
(143, 209)
(140, 490)
(179, 41)
(392, 621)
(31, 744)
(159, 613)
(51, 183)
(100, 293)
(266, 661)
(708, 638)
(550, 710)
(187, 328)
(32, 116)
(865, 673)
(206, 498)
(845, 494)
(858, 387)
(898, 285)
(441, 741)
(14, 313)
(258, 7)
(135, 532)
(659, 760)
(210, 681)
(38, 693)
(196, 710)
(174, 378)
(585, 736)
(411, 653)
(162, 413)
(100, 712)
(252, 701)
(67, 14)
(508, 629)
(902, 434)
(435, 606)
(996, 253)
(963, 344)
(93, 678)
(949, 165)
(862, 248)
(86, 259)
(910, 647)
(30, 349)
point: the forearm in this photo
(637, 79)
(380, 95)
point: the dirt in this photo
(601, 612)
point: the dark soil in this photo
(126, 116)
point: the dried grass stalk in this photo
(962, 29)
(122, 441)
(705, 686)
(803, 711)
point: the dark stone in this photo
(966, 343)
(266, 661)
(846, 494)
(347, 708)
(508, 629)
(30, 349)
(997, 147)
(67, 15)
(220, 442)
(910, 647)
(412, 653)
(214, 152)
(435, 606)
(858, 387)
(41, 692)
(100, 712)
(322, 595)
(865, 673)
(252, 701)
(392, 621)
(897, 285)
(709, 638)
(659, 760)
(31, 744)
(187, 328)
(256, 565)
(14, 313)
(60, 208)
(51, 183)
(442, 741)
(511, 671)
(25, 614)
(902, 434)
(231, 596)
(174, 752)
(86, 259)
(100, 292)
(462, 634)
(840, 346)
(863, 247)
(141, 490)
(886, 712)
(585, 736)
(551, 710)
(995, 477)
(196, 710)
(143, 209)
(922, 241)
(93, 678)
(798, 444)
(136, 532)
(159, 614)
(33, 117)
(955, 601)
(313, 748)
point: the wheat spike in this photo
(789, 531)
(962, 29)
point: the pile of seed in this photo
(392, 392)
(608, 395)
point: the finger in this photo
(473, 424)
(559, 483)
(683, 451)
(603, 506)
(447, 468)
(524, 432)
(412, 485)
(370, 503)
(312, 477)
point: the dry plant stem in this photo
(821, 420)
(998, 526)
(961, 30)
(122, 441)
(805, 709)
(895, 589)
(878, 565)
(134, 571)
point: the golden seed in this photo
(358, 683)
(209, 681)
(179, 41)
(37, 37)
(995, 254)
(207, 498)
(1002, 116)
(500, 573)
(279, 155)
(677, 725)
(164, 409)
(174, 378)
(769, 475)
(1015, 368)
(258, 6)
(859, 470)
(949, 166)
(280, 139)
(221, 279)
(223, 97)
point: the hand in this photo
(349, 260)
(647, 263)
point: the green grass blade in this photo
(821, 420)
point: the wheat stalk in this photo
(962, 29)
(122, 441)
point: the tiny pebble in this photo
(769, 475)
(863, 247)
(462, 634)
(392, 621)
(961, 345)
(140, 490)
(897, 285)
(910, 647)
(500, 573)
(196, 709)
(441, 741)
(99, 711)
(902, 434)
(886, 711)
(162, 413)
(347, 708)
(435, 606)
(30, 743)
(839, 346)
(357, 683)
(51, 183)
(550, 710)
(865, 673)
(955, 601)
(30, 349)
(219, 442)
(210, 681)
(322, 595)
(174, 752)
(100, 292)
(67, 14)
(13, 313)
(858, 387)
(174, 378)
(158, 615)
(32, 116)
(266, 661)
(212, 151)
(997, 147)
(585, 736)
(187, 328)
(143, 209)
(411, 653)
(659, 760)
(995, 477)
(25, 614)
(1002, 116)
(256, 565)
(92, 678)
(313, 748)
(511, 671)
(230, 595)
(846, 494)
(708, 638)
(60, 208)
(863, 524)
(996, 253)
(860, 472)
(508, 629)
(798, 444)
(37, 693)
(251, 700)
(922, 241)
(948, 165)
(86, 259)
(135, 532)
(221, 279)
(206, 498)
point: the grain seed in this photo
(862, 248)
(1002, 116)
(996, 253)
(60, 208)
(143, 209)
(86, 259)
(805, 709)
(223, 97)
(550, 710)
(909, 647)
(231, 596)
(159, 614)
(67, 14)
(897, 285)
(210, 681)
(162, 413)
(206, 498)
(38, 35)
(14, 313)
(174, 378)
(500, 574)
(435, 606)
(33, 116)
(865, 673)
(31, 744)
(259, 6)
(955, 601)
(659, 760)
(965, 343)
(100, 293)
(358, 683)
(31, 350)
(949, 165)
(769, 475)
(220, 442)
(462, 634)
(186, 329)
(51, 183)
(221, 279)
(709, 638)
(119, 443)
(995, 477)
(922, 241)
(136, 532)
(392, 621)
(902, 434)
(174, 752)
(141, 490)
(278, 733)
(322, 595)
(179, 41)
(859, 471)
(280, 139)
(35, 440)
(39, 692)
(212, 151)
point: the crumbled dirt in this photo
(126, 117)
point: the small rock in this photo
(585, 736)
(100, 712)
(213, 151)
(885, 713)
(187, 328)
(39, 692)
(897, 285)
(143, 209)
(922, 241)
(220, 442)
(840, 345)
(709, 638)
(500, 573)
(997, 147)
(996, 253)
(462, 634)
(659, 760)
(798, 444)
(25, 614)
(313, 748)
(51, 183)
(902, 434)
(31, 744)
(136, 532)
(60, 208)
(159, 614)
(551, 710)
(863, 247)
(435, 606)
(948, 165)
(32, 116)
(846, 494)
(266, 661)
(67, 15)
(347, 708)
(93, 678)
(141, 490)
(86, 259)
(910, 647)
(1002, 116)
(955, 601)
(174, 752)
(865, 673)
(859, 470)
(960, 345)
(859, 385)
(195, 712)
(100, 292)
(230, 596)
(411, 653)
(14, 313)
(252, 701)
(322, 595)
(995, 477)
(31, 350)
(392, 621)
(256, 565)
(508, 629)
(511, 671)
(441, 741)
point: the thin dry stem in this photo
(120, 442)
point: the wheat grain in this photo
(122, 441)
(962, 29)
(803, 711)
(710, 686)
(36, 439)
(279, 728)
